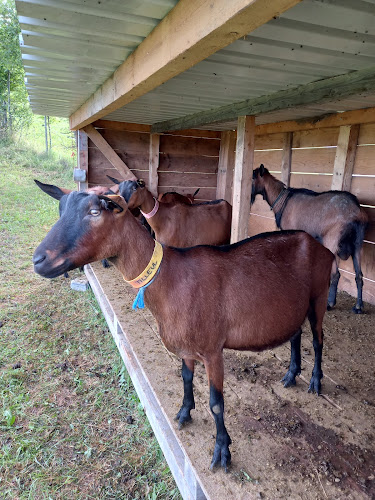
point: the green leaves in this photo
(9, 417)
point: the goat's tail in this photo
(352, 236)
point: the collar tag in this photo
(152, 268)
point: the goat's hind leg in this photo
(289, 378)
(358, 308)
(188, 404)
(335, 277)
(215, 373)
(316, 315)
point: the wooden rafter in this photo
(330, 89)
(191, 31)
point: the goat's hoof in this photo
(221, 457)
(183, 417)
(289, 379)
(105, 263)
(330, 307)
(66, 275)
(358, 310)
(315, 386)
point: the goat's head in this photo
(85, 232)
(258, 182)
(133, 192)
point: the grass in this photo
(71, 425)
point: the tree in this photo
(14, 106)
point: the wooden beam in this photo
(109, 153)
(83, 157)
(330, 89)
(357, 116)
(227, 157)
(122, 126)
(190, 32)
(286, 159)
(242, 179)
(153, 164)
(345, 157)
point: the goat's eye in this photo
(95, 212)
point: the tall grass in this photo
(71, 425)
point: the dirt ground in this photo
(287, 444)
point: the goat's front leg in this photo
(289, 378)
(215, 373)
(188, 404)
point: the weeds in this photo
(71, 425)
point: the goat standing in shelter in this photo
(179, 224)
(334, 218)
(252, 295)
(173, 197)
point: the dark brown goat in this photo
(334, 218)
(179, 224)
(252, 295)
(173, 197)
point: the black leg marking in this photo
(333, 290)
(183, 416)
(221, 452)
(358, 308)
(317, 373)
(295, 360)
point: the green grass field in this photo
(71, 425)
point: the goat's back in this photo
(251, 295)
(198, 224)
(326, 216)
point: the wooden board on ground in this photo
(286, 443)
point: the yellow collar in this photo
(152, 268)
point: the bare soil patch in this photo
(286, 443)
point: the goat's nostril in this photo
(38, 259)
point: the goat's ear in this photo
(114, 202)
(113, 179)
(262, 170)
(141, 183)
(51, 190)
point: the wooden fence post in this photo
(286, 160)
(242, 179)
(227, 157)
(345, 157)
(153, 164)
(83, 157)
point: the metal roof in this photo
(71, 48)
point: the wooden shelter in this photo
(195, 94)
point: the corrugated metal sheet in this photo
(71, 48)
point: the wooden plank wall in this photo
(131, 146)
(186, 161)
(313, 157)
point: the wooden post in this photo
(226, 164)
(242, 179)
(286, 161)
(153, 164)
(83, 157)
(345, 157)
